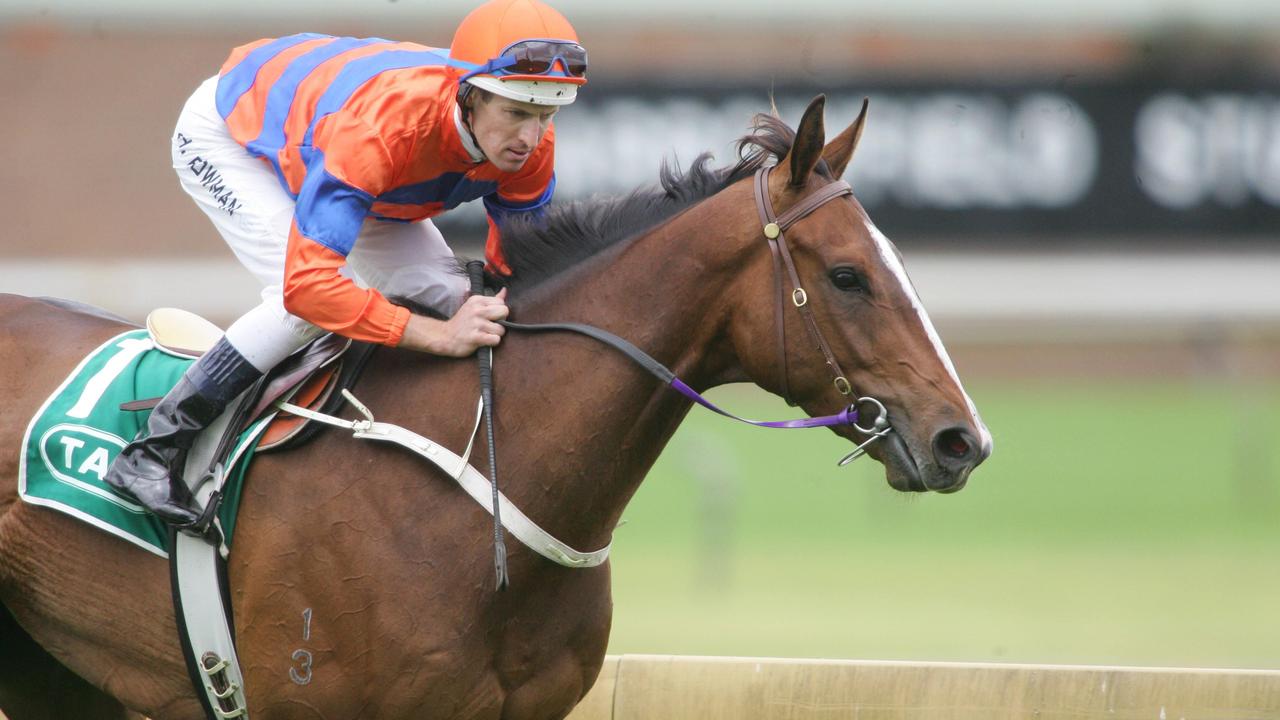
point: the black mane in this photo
(569, 233)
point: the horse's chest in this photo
(382, 660)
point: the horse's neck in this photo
(588, 423)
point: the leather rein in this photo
(773, 227)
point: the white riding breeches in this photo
(247, 204)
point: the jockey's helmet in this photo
(520, 49)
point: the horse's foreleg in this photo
(35, 686)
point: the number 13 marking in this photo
(300, 673)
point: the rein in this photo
(773, 227)
(848, 416)
(507, 515)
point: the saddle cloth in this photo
(80, 429)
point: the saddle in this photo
(312, 377)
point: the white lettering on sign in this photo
(96, 463)
(959, 151)
(74, 441)
(944, 150)
(1221, 148)
(71, 445)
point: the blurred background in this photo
(1088, 198)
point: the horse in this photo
(362, 578)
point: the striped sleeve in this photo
(349, 168)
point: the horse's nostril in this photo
(955, 445)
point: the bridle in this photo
(774, 226)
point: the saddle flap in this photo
(313, 393)
(307, 378)
(181, 333)
(295, 370)
(319, 392)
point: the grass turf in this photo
(1116, 523)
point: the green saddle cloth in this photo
(80, 429)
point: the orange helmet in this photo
(521, 49)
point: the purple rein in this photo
(848, 416)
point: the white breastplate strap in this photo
(474, 483)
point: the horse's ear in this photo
(807, 149)
(839, 151)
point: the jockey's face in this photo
(508, 130)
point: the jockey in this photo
(320, 159)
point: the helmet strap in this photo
(466, 97)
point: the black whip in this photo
(475, 269)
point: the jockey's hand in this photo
(475, 325)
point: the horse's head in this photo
(867, 334)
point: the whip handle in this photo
(475, 271)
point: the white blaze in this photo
(891, 261)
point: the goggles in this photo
(536, 57)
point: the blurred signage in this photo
(1133, 158)
(1218, 149)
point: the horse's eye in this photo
(846, 278)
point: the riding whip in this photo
(484, 356)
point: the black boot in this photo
(150, 468)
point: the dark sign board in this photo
(1139, 158)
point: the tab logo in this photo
(79, 456)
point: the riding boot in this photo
(150, 468)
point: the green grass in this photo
(1116, 523)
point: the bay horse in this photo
(362, 578)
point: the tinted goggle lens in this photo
(537, 58)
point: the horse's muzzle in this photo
(900, 467)
(953, 454)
